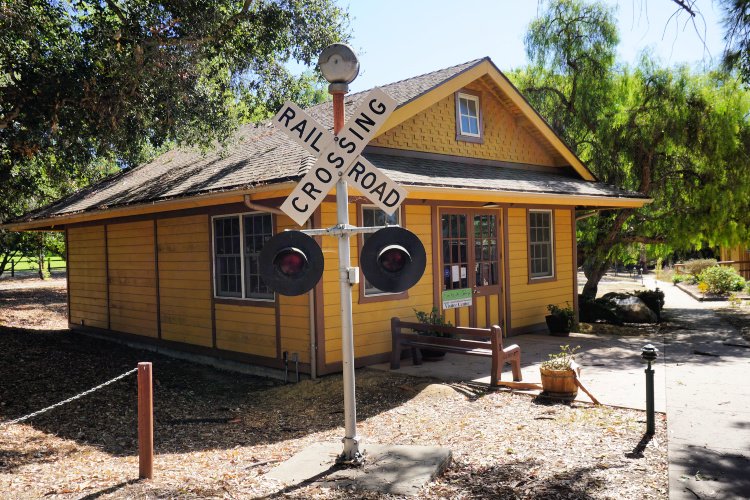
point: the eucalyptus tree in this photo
(677, 137)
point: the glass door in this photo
(470, 262)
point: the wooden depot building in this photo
(167, 252)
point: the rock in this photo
(598, 311)
(630, 308)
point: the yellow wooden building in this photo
(167, 252)
(738, 257)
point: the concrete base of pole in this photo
(392, 469)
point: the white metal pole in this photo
(351, 439)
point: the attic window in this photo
(468, 117)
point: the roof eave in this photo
(147, 207)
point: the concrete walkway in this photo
(700, 382)
(708, 402)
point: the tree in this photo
(674, 136)
(84, 79)
(736, 32)
(88, 86)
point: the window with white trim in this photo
(467, 115)
(373, 216)
(238, 240)
(541, 247)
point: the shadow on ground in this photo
(709, 470)
(195, 407)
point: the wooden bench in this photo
(487, 342)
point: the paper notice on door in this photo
(454, 274)
(463, 272)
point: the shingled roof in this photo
(258, 155)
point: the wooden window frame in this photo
(460, 134)
(222, 299)
(383, 296)
(553, 246)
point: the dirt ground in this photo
(217, 433)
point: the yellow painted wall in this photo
(132, 278)
(87, 276)
(185, 279)
(247, 329)
(294, 319)
(529, 300)
(741, 255)
(434, 130)
(372, 329)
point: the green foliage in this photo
(721, 280)
(697, 266)
(566, 314)
(432, 318)
(680, 278)
(678, 137)
(737, 36)
(560, 360)
(88, 87)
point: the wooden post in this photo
(145, 422)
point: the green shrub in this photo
(679, 278)
(432, 318)
(697, 266)
(654, 299)
(721, 280)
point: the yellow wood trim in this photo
(463, 79)
(483, 195)
(203, 200)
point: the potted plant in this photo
(432, 318)
(560, 320)
(559, 373)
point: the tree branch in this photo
(685, 6)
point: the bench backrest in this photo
(492, 335)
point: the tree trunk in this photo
(40, 261)
(594, 271)
(597, 262)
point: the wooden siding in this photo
(247, 329)
(185, 279)
(529, 300)
(372, 331)
(132, 278)
(294, 317)
(87, 276)
(434, 130)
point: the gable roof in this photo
(260, 155)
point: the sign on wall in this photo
(460, 297)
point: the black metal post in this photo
(649, 354)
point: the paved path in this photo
(708, 402)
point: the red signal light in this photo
(291, 262)
(394, 258)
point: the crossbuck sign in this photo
(339, 156)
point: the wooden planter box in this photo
(559, 383)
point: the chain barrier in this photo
(73, 398)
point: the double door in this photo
(470, 260)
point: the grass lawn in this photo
(27, 264)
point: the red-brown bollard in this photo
(145, 422)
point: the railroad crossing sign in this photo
(339, 156)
